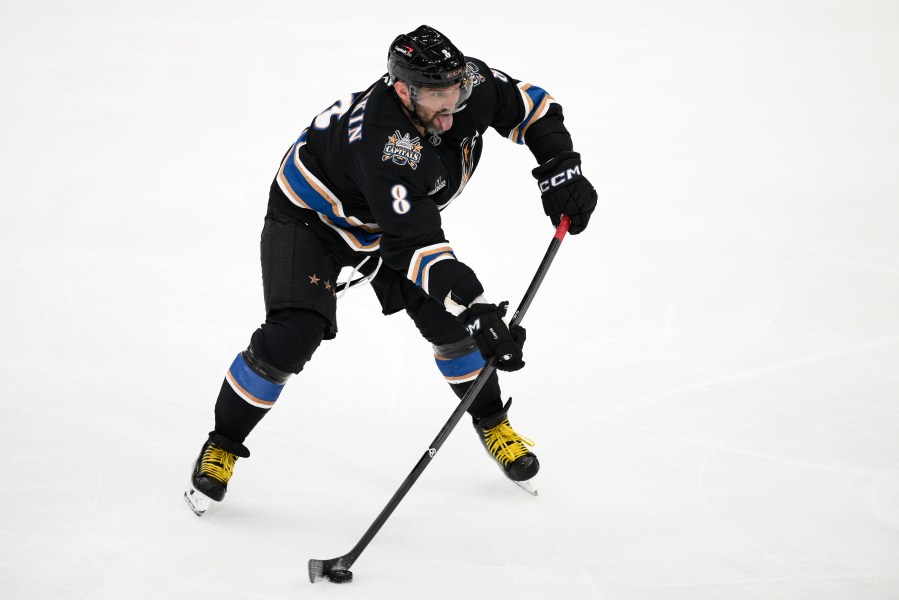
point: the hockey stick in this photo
(337, 569)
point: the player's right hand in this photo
(565, 190)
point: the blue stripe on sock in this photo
(461, 365)
(255, 384)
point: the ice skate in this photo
(212, 472)
(509, 449)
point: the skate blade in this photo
(197, 501)
(527, 486)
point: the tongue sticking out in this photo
(444, 122)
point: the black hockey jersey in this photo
(363, 170)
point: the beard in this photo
(438, 124)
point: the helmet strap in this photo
(413, 114)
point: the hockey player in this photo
(367, 179)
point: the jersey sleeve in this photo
(527, 114)
(412, 238)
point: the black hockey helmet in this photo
(426, 58)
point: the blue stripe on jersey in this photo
(303, 188)
(461, 365)
(537, 95)
(421, 266)
(252, 383)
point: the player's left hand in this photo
(565, 191)
(493, 337)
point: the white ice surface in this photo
(712, 368)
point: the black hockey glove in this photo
(566, 191)
(493, 337)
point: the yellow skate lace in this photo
(218, 463)
(505, 444)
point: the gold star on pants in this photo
(313, 279)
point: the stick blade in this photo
(319, 569)
(316, 570)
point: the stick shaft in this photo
(347, 560)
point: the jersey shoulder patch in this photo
(402, 149)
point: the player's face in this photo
(435, 107)
(440, 99)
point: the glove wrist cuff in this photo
(557, 172)
(554, 162)
(562, 156)
(456, 309)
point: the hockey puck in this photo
(340, 576)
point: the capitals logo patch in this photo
(402, 149)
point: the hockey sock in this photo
(456, 353)
(280, 347)
(460, 366)
(246, 396)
